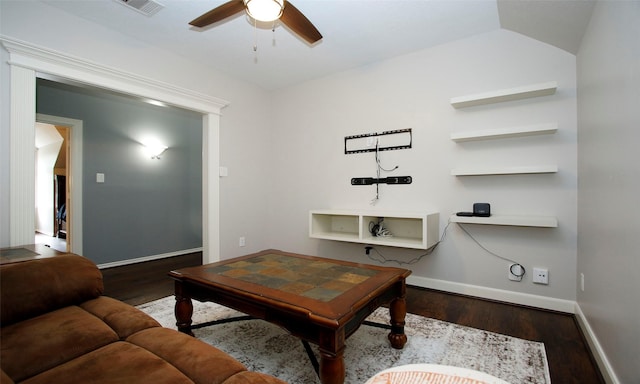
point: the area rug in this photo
(267, 348)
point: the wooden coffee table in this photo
(319, 300)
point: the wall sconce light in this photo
(154, 150)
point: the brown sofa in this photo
(56, 327)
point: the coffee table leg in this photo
(332, 369)
(397, 312)
(183, 311)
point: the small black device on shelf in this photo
(482, 209)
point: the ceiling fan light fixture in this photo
(264, 10)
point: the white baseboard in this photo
(148, 258)
(594, 345)
(567, 306)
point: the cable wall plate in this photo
(384, 141)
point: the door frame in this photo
(74, 178)
(28, 62)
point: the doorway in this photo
(44, 63)
(53, 225)
(73, 181)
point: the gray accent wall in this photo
(145, 207)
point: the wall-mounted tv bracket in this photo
(384, 180)
(371, 142)
(377, 142)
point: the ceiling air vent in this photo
(146, 7)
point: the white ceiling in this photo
(355, 32)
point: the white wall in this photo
(245, 123)
(267, 201)
(608, 220)
(282, 164)
(414, 91)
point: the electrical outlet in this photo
(242, 242)
(582, 282)
(540, 276)
(514, 272)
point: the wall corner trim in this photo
(596, 349)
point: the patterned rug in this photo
(267, 348)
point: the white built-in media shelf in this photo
(505, 133)
(484, 171)
(501, 95)
(409, 230)
(521, 221)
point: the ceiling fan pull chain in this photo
(273, 35)
(255, 35)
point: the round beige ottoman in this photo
(432, 374)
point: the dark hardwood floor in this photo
(144, 282)
(570, 361)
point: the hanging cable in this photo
(383, 260)
(515, 263)
(379, 168)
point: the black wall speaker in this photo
(482, 209)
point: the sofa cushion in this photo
(122, 318)
(35, 287)
(116, 363)
(41, 343)
(248, 377)
(199, 360)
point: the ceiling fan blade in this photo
(294, 19)
(219, 13)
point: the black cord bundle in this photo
(384, 260)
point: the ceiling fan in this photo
(263, 10)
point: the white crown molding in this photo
(44, 60)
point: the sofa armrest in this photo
(38, 286)
(5, 379)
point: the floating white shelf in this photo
(409, 230)
(504, 170)
(521, 221)
(518, 93)
(503, 133)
